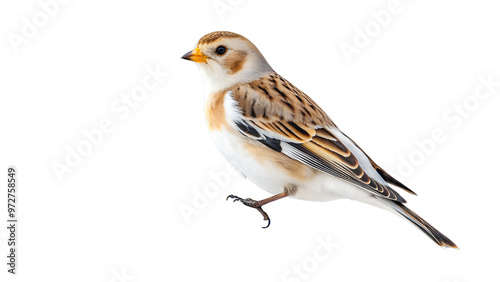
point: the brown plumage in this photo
(274, 105)
(273, 98)
(213, 36)
(279, 137)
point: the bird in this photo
(281, 140)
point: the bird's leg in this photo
(289, 190)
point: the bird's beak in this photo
(196, 56)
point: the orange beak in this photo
(196, 56)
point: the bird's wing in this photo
(280, 116)
(384, 174)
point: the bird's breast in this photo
(214, 111)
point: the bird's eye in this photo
(221, 50)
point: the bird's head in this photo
(226, 59)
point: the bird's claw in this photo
(266, 217)
(253, 204)
(235, 198)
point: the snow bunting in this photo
(281, 140)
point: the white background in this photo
(117, 215)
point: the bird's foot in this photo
(253, 204)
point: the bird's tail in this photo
(430, 231)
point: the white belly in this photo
(319, 187)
